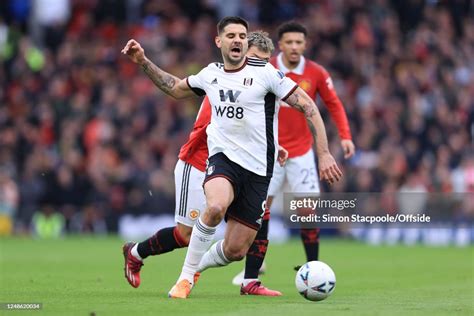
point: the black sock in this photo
(257, 251)
(165, 240)
(310, 238)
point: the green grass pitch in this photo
(80, 276)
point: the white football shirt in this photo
(244, 121)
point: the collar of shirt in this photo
(298, 70)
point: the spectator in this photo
(9, 199)
(47, 223)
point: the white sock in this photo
(201, 239)
(247, 281)
(134, 252)
(214, 257)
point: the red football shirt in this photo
(195, 150)
(293, 131)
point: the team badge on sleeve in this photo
(193, 214)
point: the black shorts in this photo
(250, 190)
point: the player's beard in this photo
(231, 61)
(294, 61)
(292, 58)
(235, 61)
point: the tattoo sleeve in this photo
(302, 102)
(311, 128)
(299, 103)
(160, 78)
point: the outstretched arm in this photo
(328, 169)
(347, 145)
(169, 84)
(336, 110)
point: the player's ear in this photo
(218, 42)
(280, 44)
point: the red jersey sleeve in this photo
(336, 109)
(195, 150)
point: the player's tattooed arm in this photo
(311, 128)
(328, 169)
(302, 102)
(163, 80)
(169, 84)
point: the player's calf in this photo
(184, 233)
(214, 257)
(310, 239)
(165, 240)
(238, 239)
(234, 252)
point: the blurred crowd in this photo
(85, 137)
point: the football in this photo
(315, 281)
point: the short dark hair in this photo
(231, 20)
(291, 26)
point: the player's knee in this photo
(234, 253)
(215, 212)
(216, 209)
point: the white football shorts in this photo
(300, 172)
(190, 198)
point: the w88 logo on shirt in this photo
(230, 111)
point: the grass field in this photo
(80, 276)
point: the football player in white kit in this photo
(242, 138)
(190, 199)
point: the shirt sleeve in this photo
(333, 103)
(278, 84)
(197, 82)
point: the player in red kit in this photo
(300, 169)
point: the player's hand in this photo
(282, 156)
(134, 51)
(348, 147)
(328, 169)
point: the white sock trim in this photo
(134, 252)
(203, 228)
(220, 251)
(204, 225)
(246, 282)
